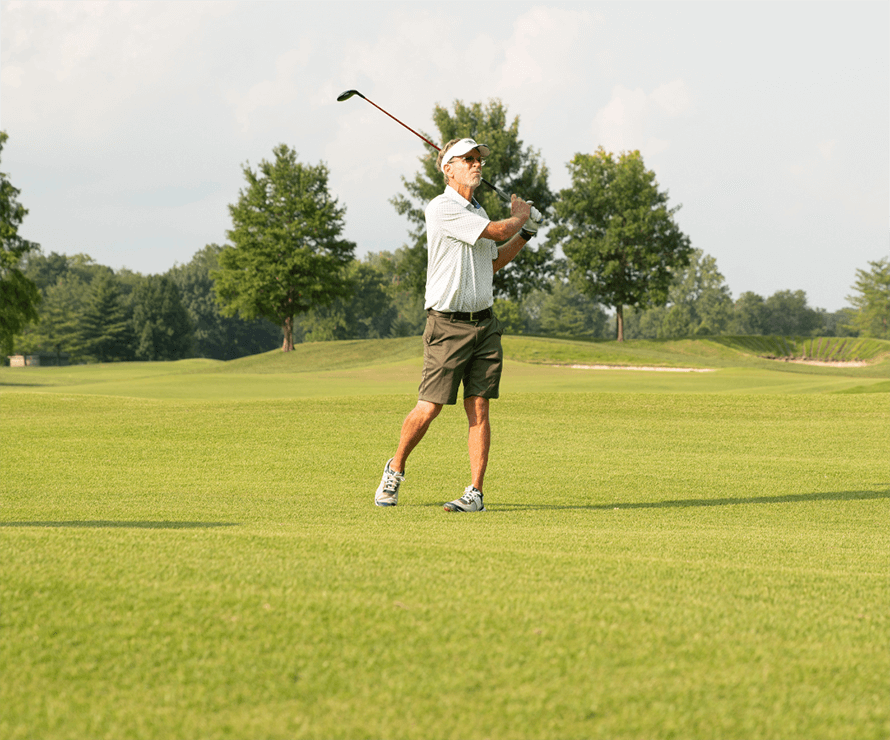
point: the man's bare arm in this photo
(507, 252)
(500, 231)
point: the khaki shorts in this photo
(456, 352)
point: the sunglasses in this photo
(470, 160)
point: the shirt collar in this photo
(458, 198)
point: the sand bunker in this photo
(640, 367)
(822, 363)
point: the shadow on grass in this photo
(690, 502)
(108, 524)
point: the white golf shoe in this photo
(388, 490)
(470, 501)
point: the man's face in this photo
(466, 169)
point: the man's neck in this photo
(464, 191)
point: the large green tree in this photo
(287, 255)
(872, 304)
(619, 234)
(512, 167)
(19, 296)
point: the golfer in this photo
(462, 339)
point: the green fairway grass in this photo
(191, 549)
(392, 366)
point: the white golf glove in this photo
(533, 223)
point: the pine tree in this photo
(161, 324)
(105, 325)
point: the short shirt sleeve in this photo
(456, 221)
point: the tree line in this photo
(93, 313)
(614, 264)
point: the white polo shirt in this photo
(459, 261)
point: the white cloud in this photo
(620, 125)
(534, 54)
(425, 59)
(545, 56)
(625, 122)
(413, 55)
(270, 93)
(125, 54)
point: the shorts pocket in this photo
(432, 334)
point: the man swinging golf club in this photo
(462, 339)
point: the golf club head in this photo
(347, 95)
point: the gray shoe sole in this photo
(451, 507)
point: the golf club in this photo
(349, 93)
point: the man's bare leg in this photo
(413, 429)
(479, 438)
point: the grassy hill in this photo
(534, 365)
(700, 353)
(322, 356)
(707, 352)
(697, 353)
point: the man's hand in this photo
(535, 219)
(518, 207)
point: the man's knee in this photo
(427, 411)
(477, 409)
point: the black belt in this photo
(464, 315)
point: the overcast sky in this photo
(769, 122)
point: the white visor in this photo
(462, 147)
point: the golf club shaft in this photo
(403, 124)
(348, 94)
